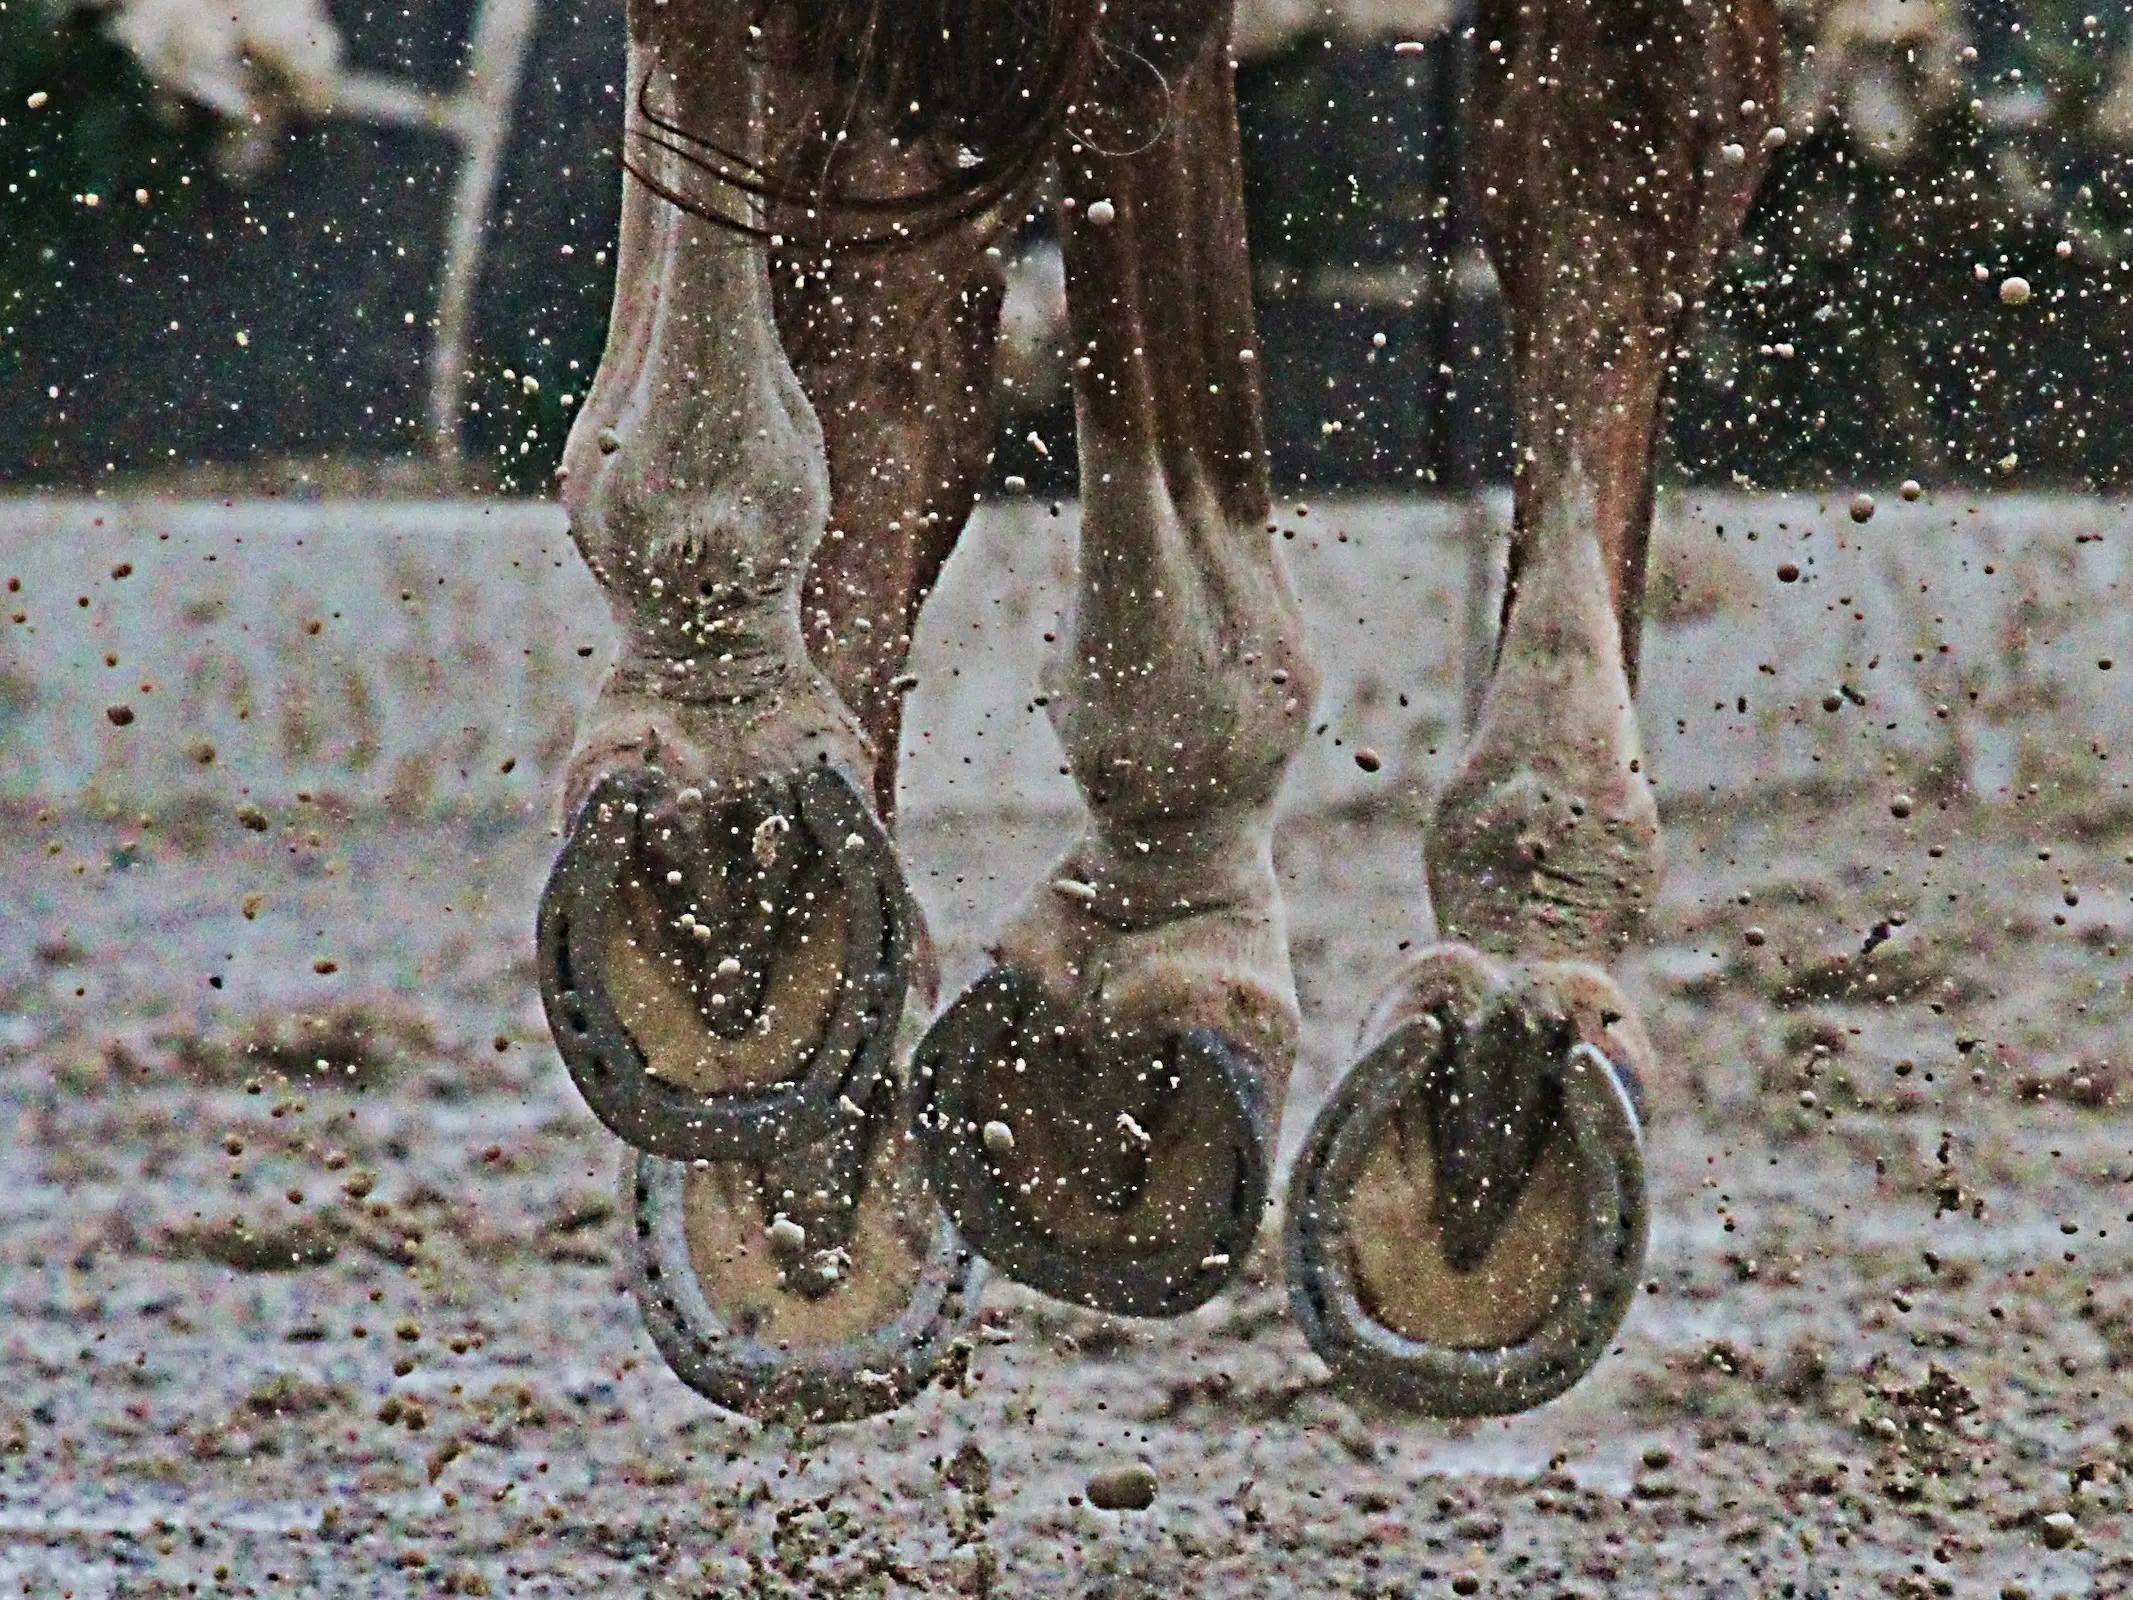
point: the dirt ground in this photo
(313, 1280)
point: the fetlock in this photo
(1180, 928)
(1546, 843)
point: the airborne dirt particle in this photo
(1731, 1431)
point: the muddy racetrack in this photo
(311, 1277)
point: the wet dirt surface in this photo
(311, 1276)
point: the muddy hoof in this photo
(825, 1288)
(1457, 1267)
(721, 971)
(1132, 1183)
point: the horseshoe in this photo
(696, 977)
(723, 1304)
(1531, 1316)
(1144, 1209)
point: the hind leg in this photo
(1466, 1221)
(1100, 1105)
(895, 351)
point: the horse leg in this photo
(895, 350)
(1099, 1106)
(723, 942)
(1467, 1220)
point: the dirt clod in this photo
(1127, 1488)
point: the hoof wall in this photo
(1369, 1278)
(719, 974)
(1133, 1185)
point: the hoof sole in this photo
(628, 987)
(1160, 1229)
(1368, 1281)
(725, 1328)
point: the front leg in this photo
(1466, 1222)
(1102, 1104)
(725, 932)
(724, 940)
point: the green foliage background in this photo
(1865, 264)
(102, 130)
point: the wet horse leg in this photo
(721, 831)
(856, 1271)
(1467, 1219)
(895, 349)
(1102, 1101)
(723, 943)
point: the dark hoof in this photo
(1411, 1302)
(763, 1323)
(721, 974)
(1130, 1185)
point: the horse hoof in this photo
(721, 972)
(1129, 1184)
(849, 1315)
(1453, 1293)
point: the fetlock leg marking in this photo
(1546, 843)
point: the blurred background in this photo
(317, 244)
